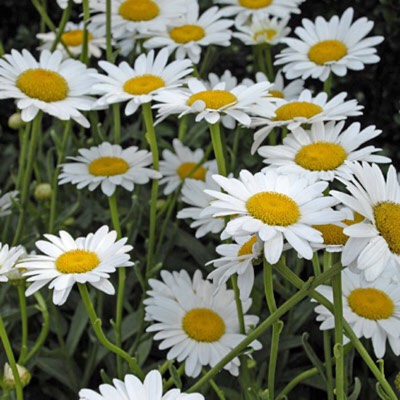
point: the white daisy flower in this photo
(127, 43)
(320, 152)
(73, 39)
(263, 30)
(278, 89)
(237, 259)
(329, 46)
(333, 236)
(374, 243)
(197, 324)
(6, 202)
(200, 211)
(187, 35)
(227, 78)
(306, 109)
(139, 16)
(59, 88)
(276, 207)
(8, 258)
(216, 104)
(372, 310)
(66, 261)
(109, 166)
(248, 9)
(132, 389)
(176, 167)
(151, 75)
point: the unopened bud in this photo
(69, 221)
(8, 376)
(15, 121)
(43, 191)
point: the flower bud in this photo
(43, 191)
(8, 376)
(15, 121)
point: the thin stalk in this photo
(36, 125)
(117, 123)
(328, 85)
(182, 127)
(11, 360)
(64, 19)
(268, 60)
(24, 323)
(152, 139)
(108, 32)
(24, 145)
(85, 42)
(54, 184)
(112, 202)
(215, 132)
(297, 282)
(44, 331)
(235, 147)
(96, 325)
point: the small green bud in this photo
(43, 191)
(8, 376)
(15, 121)
(69, 221)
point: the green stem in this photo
(24, 145)
(11, 360)
(54, 184)
(44, 331)
(96, 324)
(328, 85)
(215, 131)
(61, 27)
(117, 123)
(297, 282)
(108, 32)
(270, 67)
(235, 147)
(36, 125)
(112, 201)
(85, 42)
(182, 127)
(152, 139)
(24, 323)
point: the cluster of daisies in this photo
(289, 205)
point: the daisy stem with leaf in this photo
(11, 360)
(85, 41)
(215, 132)
(96, 324)
(26, 180)
(64, 19)
(152, 139)
(24, 322)
(112, 202)
(54, 184)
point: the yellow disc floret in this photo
(254, 4)
(214, 99)
(108, 166)
(387, 221)
(74, 37)
(203, 325)
(371, 303)
(77, 262)
(143, 84)
(321, 156)
(327, 51)
(273, 208)
(185, 169)
(43, 84)
(297, 109)
(187, 33)
(247, 248)
(264, 35)
(139, 10)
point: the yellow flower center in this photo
(333, 235)
(143, 84)
(203, 325)
(387, 221)
(371, 303)
(214, 99)
(77, 262)
(187, 33)
(273, 208)
(43, 84)
(326, 51)
(247, 248)
(265, 34)
(108, 166)
(321, 156)
(74, 37)
(255, 3)
(186, 168)
(138, 10)
(276, 93)
(297, 109)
